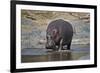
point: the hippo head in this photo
(50, 44)
(51, 36)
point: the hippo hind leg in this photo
(69, 45)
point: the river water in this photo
(77, 52)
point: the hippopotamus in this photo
(59, 33)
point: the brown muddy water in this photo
(77, 52)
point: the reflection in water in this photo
(80, 52)
(59, 56)
(53, 56)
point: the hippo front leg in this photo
(61, 46)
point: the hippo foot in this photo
(65, 49)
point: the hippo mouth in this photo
(50, 47)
